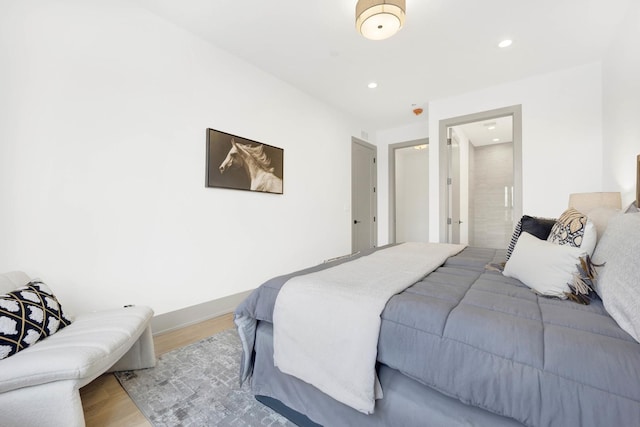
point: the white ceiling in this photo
(486, 132)
(447, 47)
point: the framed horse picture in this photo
(242, 164)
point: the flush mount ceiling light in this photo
(505, 43)
(372, 85)
(379, 19)
(490, 125)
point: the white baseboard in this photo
(167, 322)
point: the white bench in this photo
(39, 386)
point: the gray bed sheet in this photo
(489, 342)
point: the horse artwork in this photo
(238, 163)
(257, 165)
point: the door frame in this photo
(453, 189)
(374, 203)
(392, 181)
(515, 111)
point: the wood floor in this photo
(105, 402)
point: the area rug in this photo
(197, 385)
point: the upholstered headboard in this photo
(599, 207)
(586, 202)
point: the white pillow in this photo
(543, 266)
(619, 279)
(590, 237)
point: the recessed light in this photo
(491, 127)
(372, 85)
(496, 139)
(505, 43)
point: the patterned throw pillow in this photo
(514, 239)
(27, 315)
(574, 229)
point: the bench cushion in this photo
(82, 351)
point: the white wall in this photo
(621, 101)
(561, 135)
(103, 114)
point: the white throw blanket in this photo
(326, 324)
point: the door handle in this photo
(355, 221)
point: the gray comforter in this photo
(490, 342)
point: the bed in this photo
(467, 345)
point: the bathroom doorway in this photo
(483, 186)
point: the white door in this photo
(411, 192)
(363, 196)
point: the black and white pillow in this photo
(573, 228)
(27, 315)
(537, 227)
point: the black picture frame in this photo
(238, 163)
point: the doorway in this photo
(481, 155)
(364, 199)
(409, 191)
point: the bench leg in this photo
(140, 356)
(52, 404)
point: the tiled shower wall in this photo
(490, 209)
